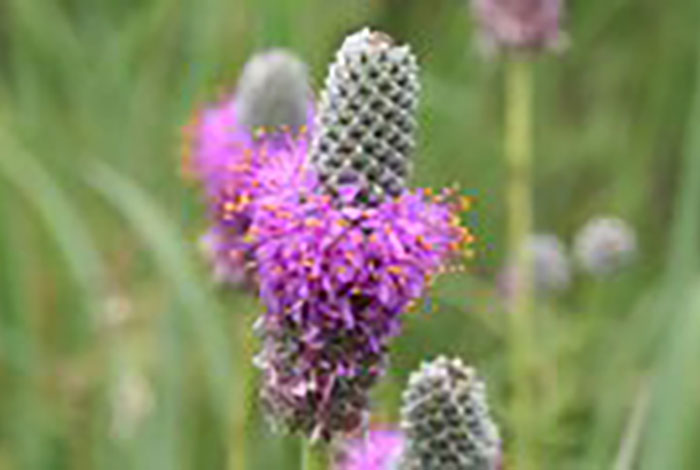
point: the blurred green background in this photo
(118, 351)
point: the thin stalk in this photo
(518, 148)
(314, 456)
(629, 447)
(239, 411)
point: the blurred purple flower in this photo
(335, 279)
(237, 167)
(519, 25)
(550, 263)
(379, 450)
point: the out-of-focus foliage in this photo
(117, 350)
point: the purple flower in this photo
(237, 167)
(551, 267)
(521, 25)
(379, 450)
(335, 279)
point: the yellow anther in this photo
(395, 269)
(244, 199)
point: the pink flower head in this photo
(379, 450)
(335, 278)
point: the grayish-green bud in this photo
(366, 120)
(446, 420)
(273, 90)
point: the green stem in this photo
(239, 411)
(518, 148)
(314, 456)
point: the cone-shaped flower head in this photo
(519, 25)
(366, 118)
(446, 420)
(335, 278)
(273, 91)
(605, 245)
(550, 263)
(238, 165)
(378, 450)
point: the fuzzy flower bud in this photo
(366, 117)
(446, 420)
(605, 245)
(519, 25)
(273, 91)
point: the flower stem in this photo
(314, 456)
(239, 409)
(518, 148)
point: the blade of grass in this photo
(64, 224)
(674, 388)
(674, 409)
(18, 349)
(174, 263)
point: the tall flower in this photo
(238, 162)
(519, 25)
(446, 420)
(338, 265)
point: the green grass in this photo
(92, 208)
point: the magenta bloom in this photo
(380, 450)
(237, 167)
(335, 278)
(522, 25)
